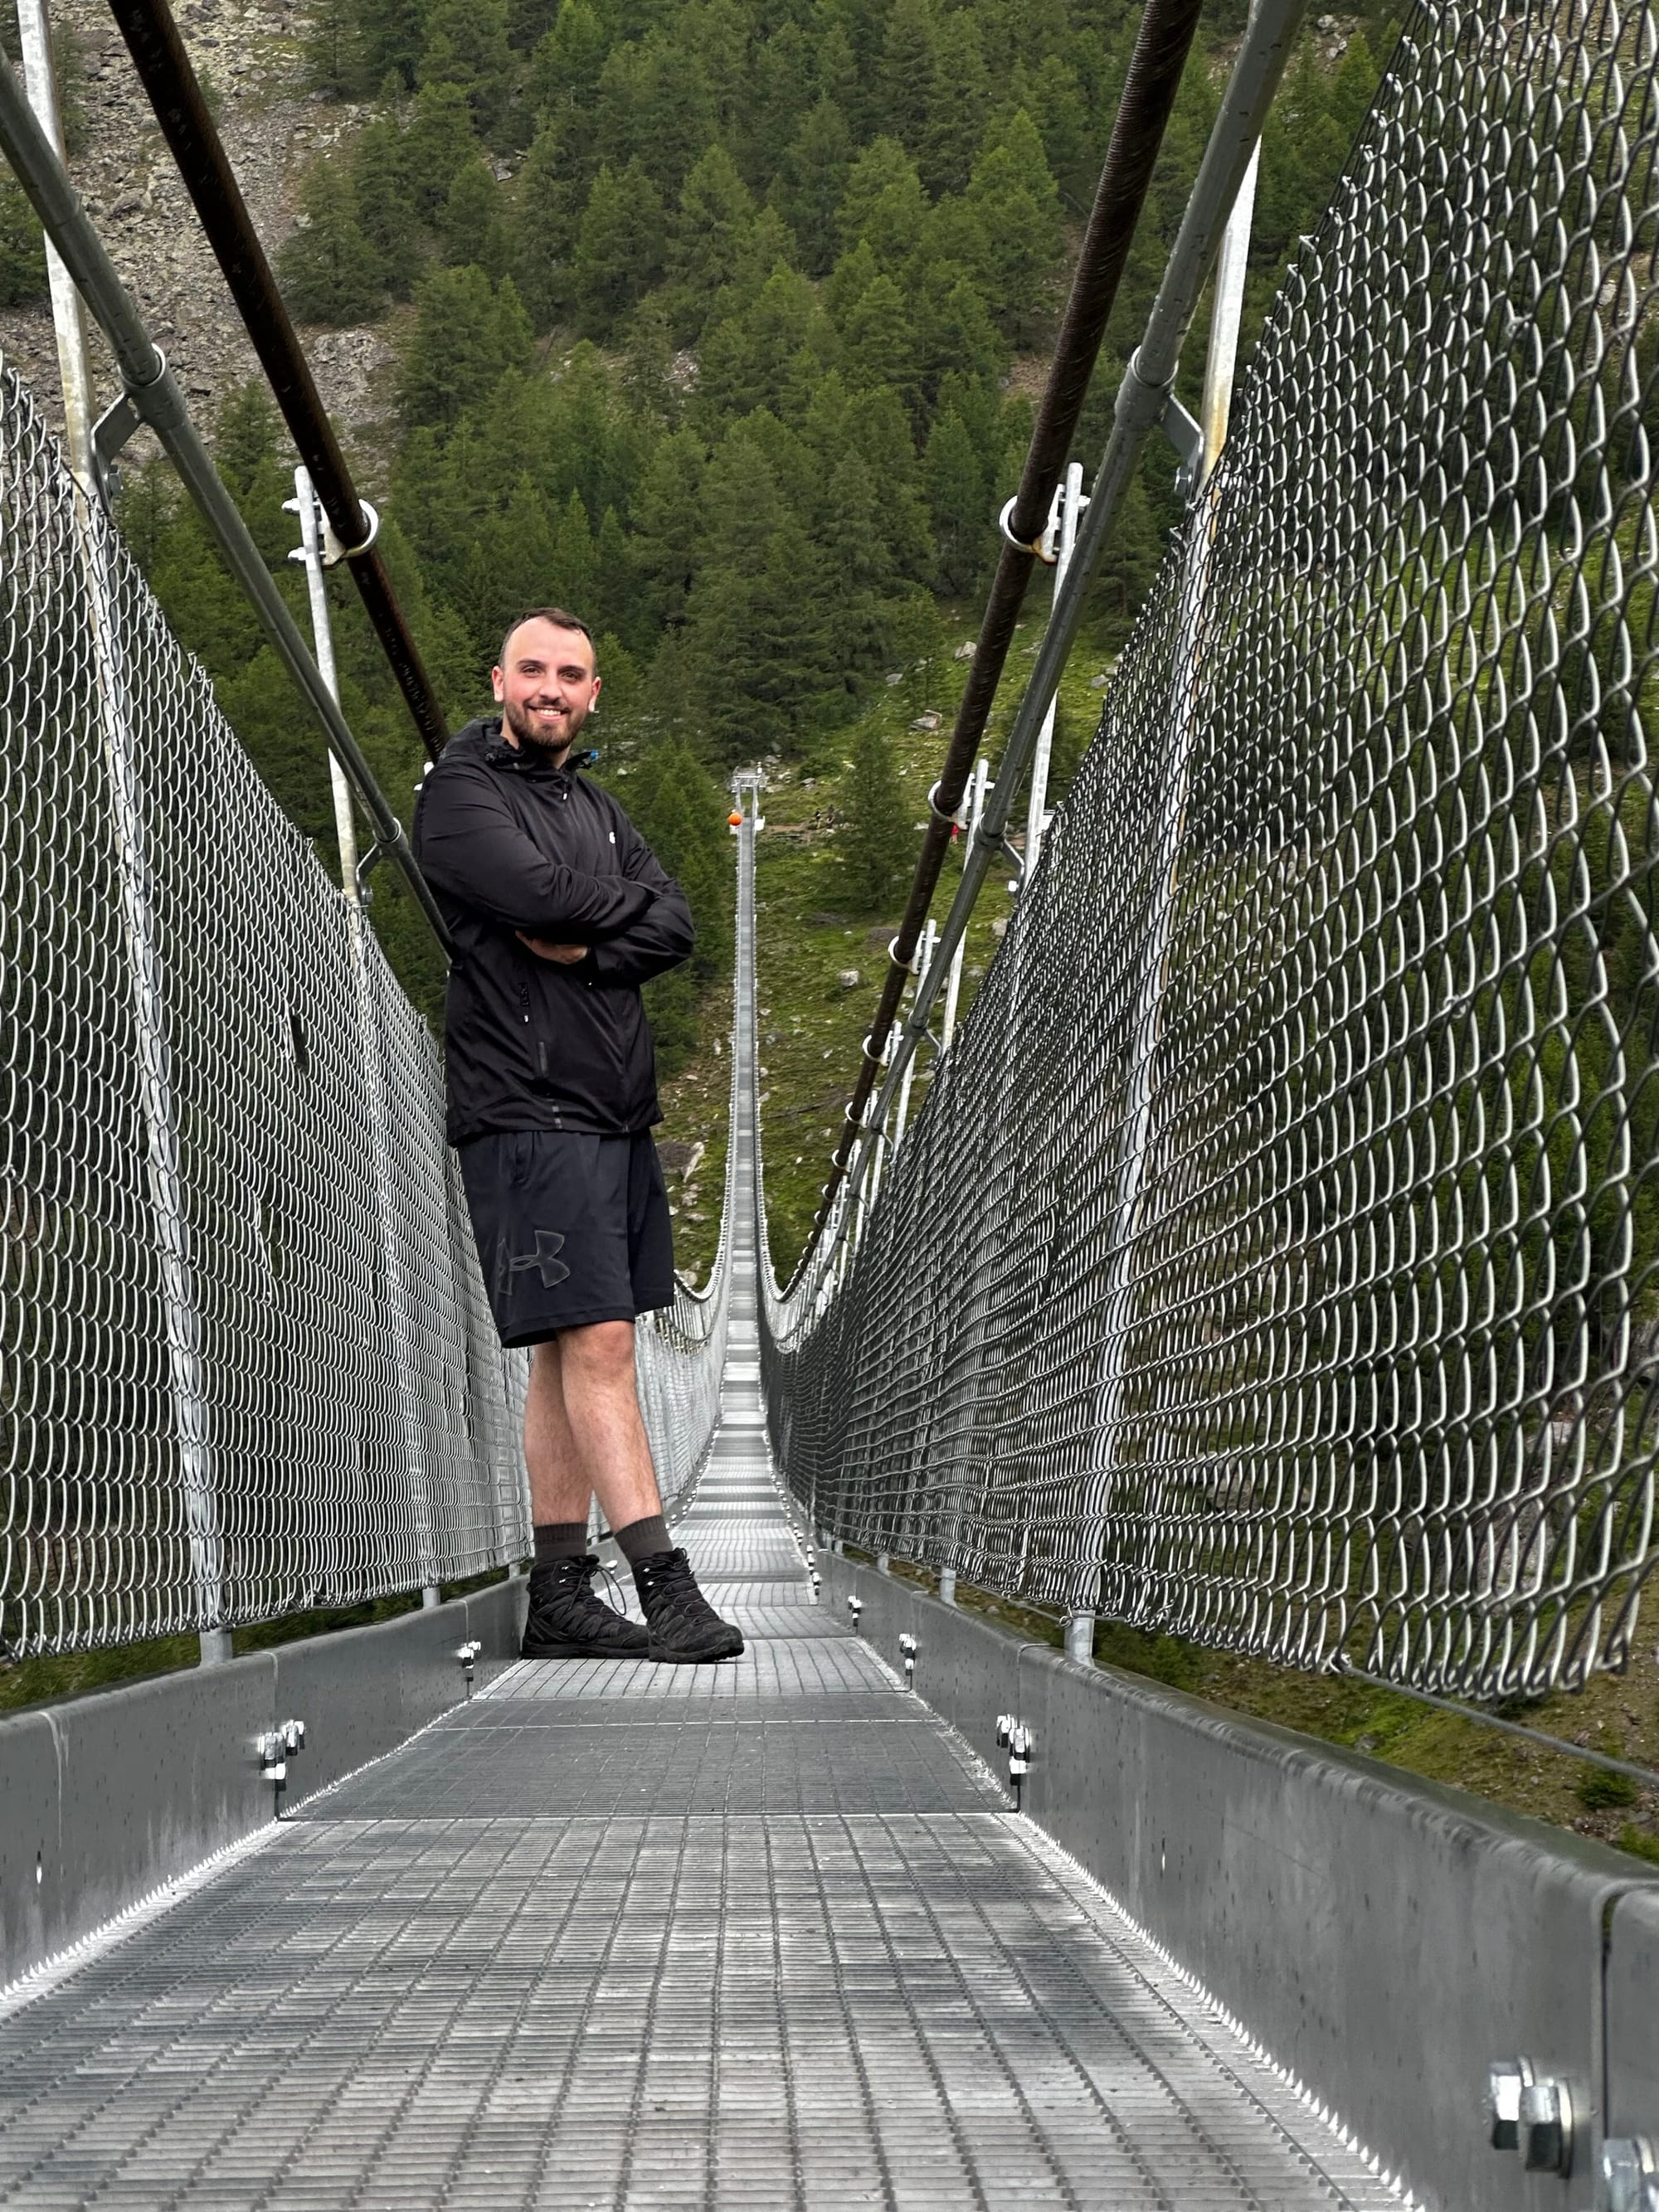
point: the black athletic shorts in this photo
(570, 1229)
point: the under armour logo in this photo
(544, 1259)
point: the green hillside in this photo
(720, 324)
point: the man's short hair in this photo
(559, 620)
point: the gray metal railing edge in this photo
(108, 1798)
(1383, 1938)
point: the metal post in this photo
(1069, 500)
(1145, 1033)
(953, 985)
(157, 1103)
(306, 505)
(34, 35)
(930, 940)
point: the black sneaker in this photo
(682, 1626)
(568, 1621)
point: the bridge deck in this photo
(619, 1935)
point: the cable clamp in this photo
(939, 812)
(874, 1058)
(115, 427)
(1039, 547)
(334, 552)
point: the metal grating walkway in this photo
(759, 1935)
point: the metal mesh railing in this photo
(680, 1353)
(1276, 1258)
(245, 1363)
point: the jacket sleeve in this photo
(662, 937)
(469, 847)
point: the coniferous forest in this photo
(720, 323)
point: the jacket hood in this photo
(483, 740)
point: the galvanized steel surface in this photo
(625, 1935)
(1275, 1259)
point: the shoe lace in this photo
(609, 1573)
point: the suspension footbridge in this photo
(1271, 1257)
(609, 1932)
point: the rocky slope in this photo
(249, 53)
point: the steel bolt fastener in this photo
(1630, 2174)
(1505, 2080)
(1547, 2128)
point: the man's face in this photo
(546, 691)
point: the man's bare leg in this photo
(603, 1432)
(559, 1486)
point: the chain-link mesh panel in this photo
(245, 1363)
(1276, 1259)
(680, 1353)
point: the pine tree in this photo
(884, 204)
(811, 181)
(957, 330)
(333, 49)
(859, 569)
(668, 541)
(389, 33)
(877, 427)
(675, 806)
(467, 335)
(330, 272)
(542, 228)
(957, 98)
(466, 45)
(614, 594)
(440, 141)
(907, 68)
(648, 362)
(384, 207)
(878, 345)
(618, 247)
(779, 98)
(749, 360)
(473, 225)
(877, 845)
(958, 500)
(565, 69)
(574, 565)
(715, 210)
(1016, 207)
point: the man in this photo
(559, 912)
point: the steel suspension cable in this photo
(175, 94)
(1150, 88)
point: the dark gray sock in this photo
(560, 1540)
(641, 1539)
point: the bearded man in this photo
(560, 911)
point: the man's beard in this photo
(526, 728)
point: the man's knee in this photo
(603, 1350)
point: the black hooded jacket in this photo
(508, 842)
